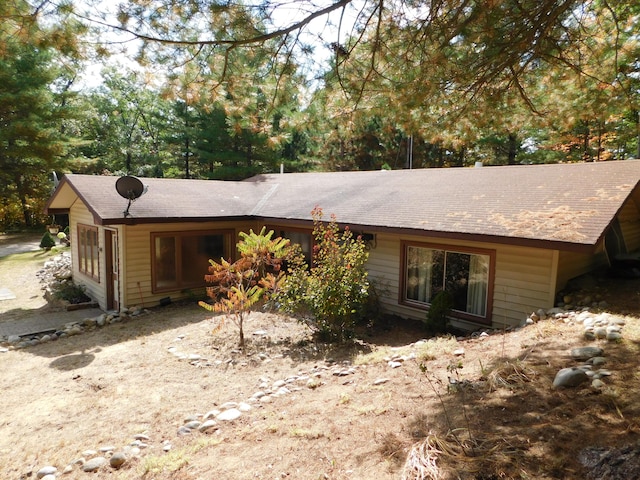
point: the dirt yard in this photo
(477, 408)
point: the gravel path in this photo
(29, 245)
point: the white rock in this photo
(207, 425)
(48, 470)
(211, 414)
(229, 415)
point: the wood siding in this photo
(572, 265)
(96, 289)
(136, 259)
(524, 278)
(629, 219)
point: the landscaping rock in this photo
(229, 415)
(570, 377)
(118, 459)
(44, 471)
(585, 353)
(94, 464)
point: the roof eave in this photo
(502, 240)
(131, 220)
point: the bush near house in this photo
(437, 318)
(237, 287)
(47, 242)
(332, 294)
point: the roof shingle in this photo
(570, 204)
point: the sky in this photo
(321, 32)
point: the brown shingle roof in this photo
(567, 204)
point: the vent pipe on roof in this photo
(478, 164)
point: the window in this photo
(302, 238)
(88, 260)
(465, 274)
(181, 260)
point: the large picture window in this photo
(465, 275)
(88, 260)
(181, 260)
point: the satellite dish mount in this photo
(131, 188)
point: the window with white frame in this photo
(464, 274)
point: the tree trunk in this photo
(585, 143)
(440, 156)
(512, 147)
(186, 158)
(240, 322)
(600, 129)
(461, 156)
(23, 201)
(638, 134)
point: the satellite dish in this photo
(131, 188)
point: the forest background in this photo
(225, 89)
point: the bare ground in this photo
(502, 419)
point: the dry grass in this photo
(106, 386)
(510, 374)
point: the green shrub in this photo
(47, 242)
(334, 291)
(437, 319)
(70, 292)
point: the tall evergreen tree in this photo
(31, 146)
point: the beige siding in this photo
(525, 282)
(96, 290)
(523, 278)
(136, 259)
(572, 264)
(629, 219)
